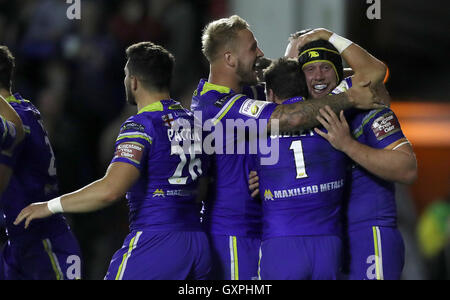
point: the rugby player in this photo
(157, 174)
(47, 249)
(381, 154)
(302, 193)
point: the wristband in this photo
(55, 206)
(339, 42)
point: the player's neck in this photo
(221, 77)
(149, 98)
(5, 93)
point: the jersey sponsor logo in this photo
(221, 102)
(253, 108)
(305, 190)
(158, 193)
(268, 195)
(385, 125)
(130, 150)
(168, 120)
(132, 126)
(179, 193)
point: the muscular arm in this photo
(365, 67)
(119, 178)
(396, 162)
(397, 165)
(302, 115)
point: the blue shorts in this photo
(147, 255)
(234, 257)
(375, 253)
(52, 258)
(301, 258)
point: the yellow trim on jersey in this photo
(214, 87)
(156, 106)
(227, 108)
(53, 259)
(13, 99)
(319, 48)
(126, 255)
(135, 136)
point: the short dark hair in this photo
(151, 64)
(285, 77)
(7, 64)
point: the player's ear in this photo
(270, 95)
(134, 83)
(230, 59)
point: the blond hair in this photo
(220, 33)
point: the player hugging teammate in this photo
(326, 167)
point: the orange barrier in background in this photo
(427, 126)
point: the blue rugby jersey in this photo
(34, 175)
(302, 193)
(230, 209)
(370, 199)
(163, 198)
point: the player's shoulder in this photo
(343, 86)
(209, 96)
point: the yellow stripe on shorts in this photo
(234, 259)
(53, 259)
(378, 252)
(126, 256)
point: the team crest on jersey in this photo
(268, 195)
(168, 120)
(252, 108)
(158, 193)
(385, 125)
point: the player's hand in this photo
(253, 183)
(313, 35)
(338, 134)
(33, 211)
(363, 96)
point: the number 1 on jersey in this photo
(296, 146)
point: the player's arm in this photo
(119, 178)
(365, 66)
(302, 115)
(396, 162)
(8, 114)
